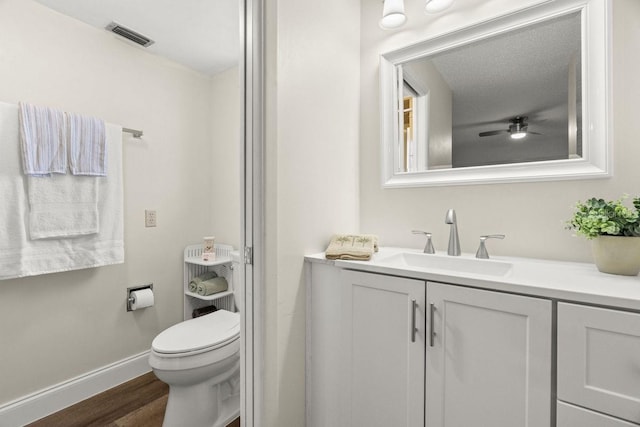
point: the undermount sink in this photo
(485, 267)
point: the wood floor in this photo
(136, 403)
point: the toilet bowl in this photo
(200, 361)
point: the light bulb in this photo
(518, 135)
(392, 14)
(436, 6)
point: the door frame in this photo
(252, 207)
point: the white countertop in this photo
(565, 281)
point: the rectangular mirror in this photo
(519, 98)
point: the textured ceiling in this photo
(522, 73)
(201, 34)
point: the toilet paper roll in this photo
(141, 298)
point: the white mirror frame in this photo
(596, 161)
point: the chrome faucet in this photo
(482, 249)
(454, 240)
(428, 247)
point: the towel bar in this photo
(136, 133)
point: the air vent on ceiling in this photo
(129, 34)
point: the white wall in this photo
(56, 326)
(312, 172)
(532, 215)
(440, 113)
(225, 165)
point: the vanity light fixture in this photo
(437, 6)
(393, 11)
(392, 14)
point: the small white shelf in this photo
(194, 266)
(198, 260)
(209, 297)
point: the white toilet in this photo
(200, 360)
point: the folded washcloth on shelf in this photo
(212, 286)
(43, 140)
(358, 247)
(193, 284)
(87, 145)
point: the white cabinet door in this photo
(599, 359)
(488, 360)
(574, 416)
(384, 357)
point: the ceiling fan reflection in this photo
(518, 129)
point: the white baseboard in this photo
(52, 399)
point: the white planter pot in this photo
(617, 254)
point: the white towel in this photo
(62, 206)
(20, 256)
(87, 145)
(43, 140)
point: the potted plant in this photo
(614, 230)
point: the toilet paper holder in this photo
(135, 288)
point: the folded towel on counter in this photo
(87, 145)
(358, 247)
(212, 286)
(43, 140)
(193, 284)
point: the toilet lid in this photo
(208, 331)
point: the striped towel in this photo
(43, 140)
(87, 145)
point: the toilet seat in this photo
(199, 335)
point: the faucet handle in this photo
(428, 248)
(492, 236)
(482, 249)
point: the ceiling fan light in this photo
(393, 14)
(518, 135)
(437, 6)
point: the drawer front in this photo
(573, 416)
(599, 359)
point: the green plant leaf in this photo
(595, 217)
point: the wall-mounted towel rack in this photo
(136, 133)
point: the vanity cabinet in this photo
(383, 342)
(598, 363)
(488, 358)
(557, 350)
